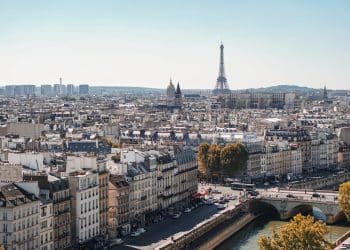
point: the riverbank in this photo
(222, 236)
(186, 240)
(247, 238)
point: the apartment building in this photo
(279, 160)
(103, 177)
(325, 148)
(166, 179)
(118, 206)
(19, 213)
(59, 194)
(140, 169)
(46, 221)
(254, 146)
(84, 189)
(186, 176)
(300, 136)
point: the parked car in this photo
(115, 242)
(209, 202)
(220, 206)
(176, 216)
(291, 196)
(232, 197)
(316, 195)
(141, 230)
(135, 234)
(187, 210)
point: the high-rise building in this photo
(70, 89)
(83, 89)
(20, 90)
(56, 89)
(221, 87)
(46, 90)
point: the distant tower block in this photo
(221, 87)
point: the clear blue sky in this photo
(144, 43)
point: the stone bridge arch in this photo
(287, 208)
(257, 206)
(301, 208)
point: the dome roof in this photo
(171, 85)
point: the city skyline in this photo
(144, 44)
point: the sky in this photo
(147, 42)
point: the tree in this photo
(116, 158)
(233, 158)
(302, 232)
(214, 163)
(344, 199)
(203, 151)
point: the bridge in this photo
(288, 203)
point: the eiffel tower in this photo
(221, 87)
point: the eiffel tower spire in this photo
(221, 86)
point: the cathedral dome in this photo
(170, 91)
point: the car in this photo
(253, 193)
(232, 197)
(291, 196)
(116, 241)
(215, 191)
(316, 195)
(222, 202)
(220, 206)
(141, 230)
(187, 210)
(209, 202)
(135, 234)
(176, 216)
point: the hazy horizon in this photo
(144, 43)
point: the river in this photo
(247, 238)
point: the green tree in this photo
(233, 158)
(203, 151)
(214, 163)
(302, 232)
(344, 199)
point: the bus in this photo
(242, 186)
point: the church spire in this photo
(178, 90)
(325, 94)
